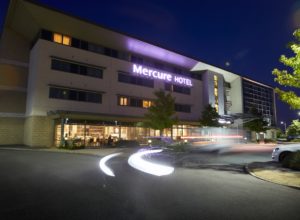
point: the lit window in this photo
(146, 104)
(57, 38)
(217, 107)
(123, 101)
(216, 92)
(215, 78)
(66, 40)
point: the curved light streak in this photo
(104, 167)
(137, 162)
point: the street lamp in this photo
(283, 123)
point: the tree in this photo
(161, 114)
(294, 128)
(257, 123)
(283, 77)
(209, 117)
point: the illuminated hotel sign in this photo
(168, 77)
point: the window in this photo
(178, 89)
(123, 101)
(182, 108)
(75, 68)
(66, 40)
(125, 78)
(217, 107)
(61, 39)
(57, 38)
(75, 95)
(216, 92)
(46, 35)
(136, 59)
(146, 103)
(135, 102)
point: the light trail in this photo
(104, 167)
(137, 162)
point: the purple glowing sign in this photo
(154, 74)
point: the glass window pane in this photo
(57, 38)
(66, 40)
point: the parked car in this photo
(281, 151)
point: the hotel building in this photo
(62, 76)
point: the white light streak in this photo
(104, 167)
(137, 162)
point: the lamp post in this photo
(284, 123)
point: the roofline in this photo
(259, 83)
(35, 2)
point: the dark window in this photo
(178, 89)
(107, 51)
(76, 68)
(94, 97)
(46, 35)
(114, 53)
(60, 65)
(96, 48)
(81, 96)
(182, 108)
(83, 70)
(94, 72)
(134, 102)
(75, 43)
(136, 59)
(84, 45)
(124, 78)
(75, 95)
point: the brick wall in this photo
(39, 131)
(11, 130)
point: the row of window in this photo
(216, 93)
(126, 78)
(178, 89)
(75, 68)
(75, 95)
(81, 44)
(182, 108)
(142, 103)
(134, 102)
(96, 97)
(85, 69)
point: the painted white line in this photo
(104, 167)
(137, 162)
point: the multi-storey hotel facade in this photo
(66, 78)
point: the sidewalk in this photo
(275, 173)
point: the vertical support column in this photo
(62, 131)
(84, 134)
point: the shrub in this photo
(269, 141)
(178, 147)
(292, 161)
(71, 145)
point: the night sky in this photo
(245, 37)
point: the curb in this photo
(247, 169)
